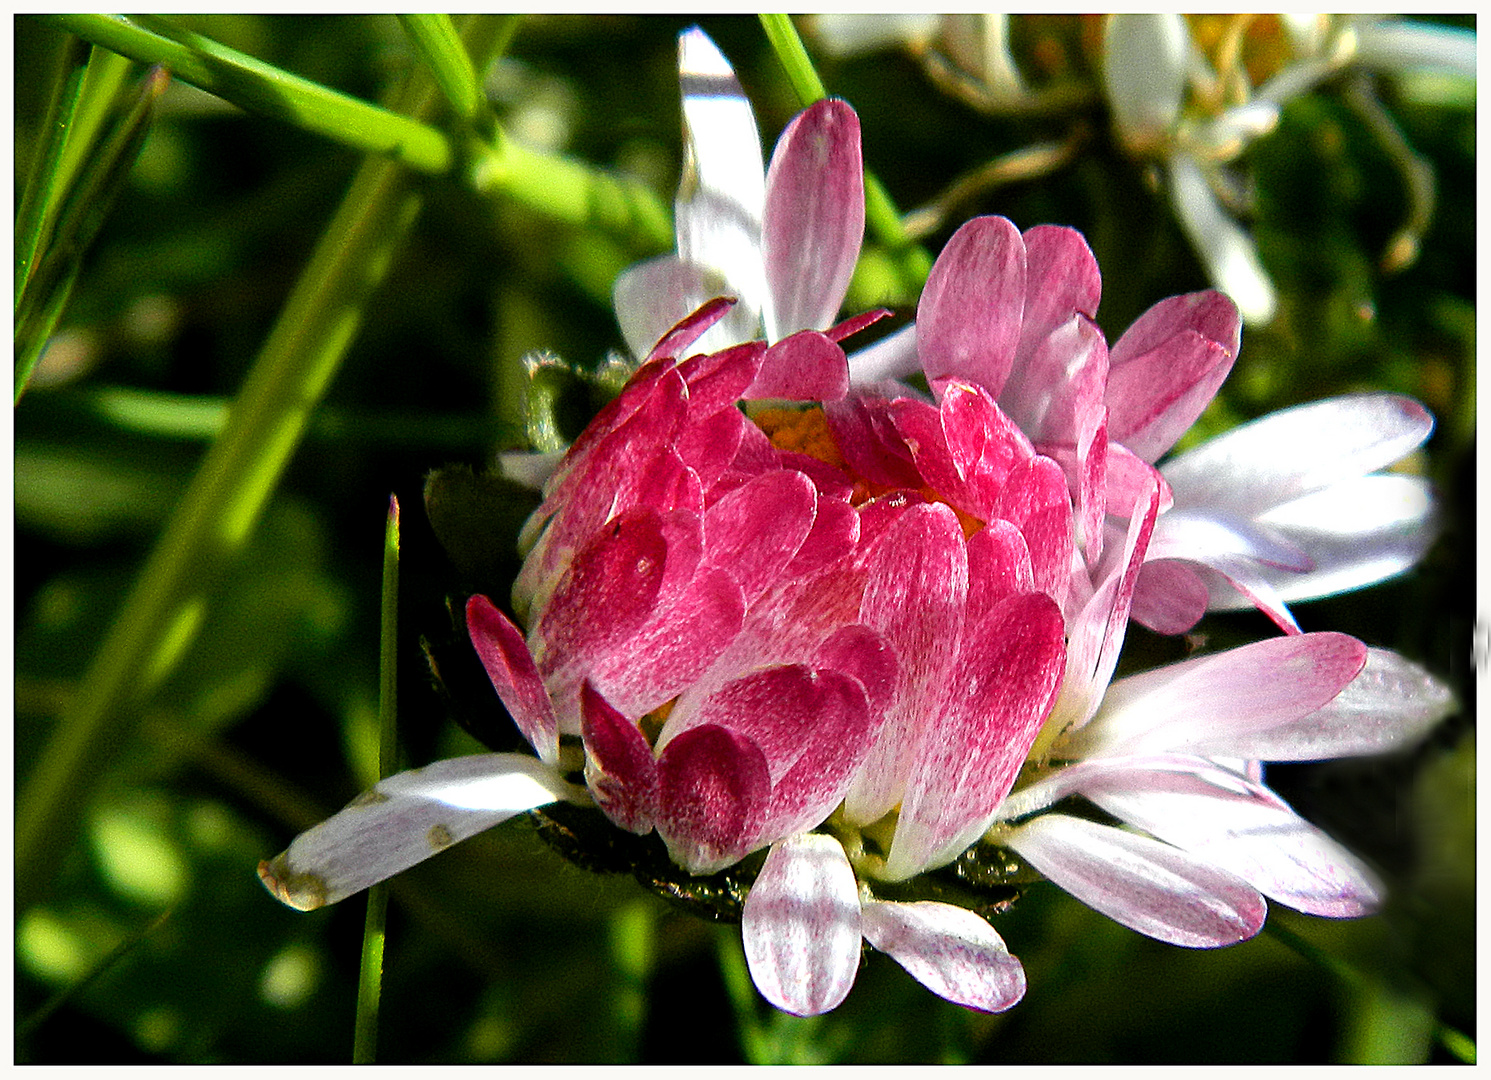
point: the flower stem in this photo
(370, 977)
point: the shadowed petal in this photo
(713, 791)
(1147, 886)
(514, 675)
(949, 950)
(619, 767)
(801, 926)
(815, 217)
(404, 820)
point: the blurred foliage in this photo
(500, 950)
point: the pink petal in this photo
(969, 317)
(914, 595)
(619, 767)
(1244, 829)
(834, 534)
(998, 567)
(514, 675)
(980, 726)
(860, 652)
(717, 380)
(1153, 399)
(1062, 279)
(985, 443)
(863, 432)
(654, 298)
(815, 217)
(640, 562)
(1147, 886)
(1208, 313)
(949, 950)
(806, 366)
(712, 793)
(1169, 598)
(690, 328)
(801, 926)
(1035, 500)
(709, 444)
(1061, 380)
(855, 323)
(674, 648)
(1391, 703)
(755, 530)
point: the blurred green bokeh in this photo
(500, 951)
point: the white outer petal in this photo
(1227, 250)
(949, 950)
(801, 925)
(404, 820)
(1147, 886)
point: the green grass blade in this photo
(440, 46)
(79, 218)
(265, 89)
(31, 217)
(211, 525)
(370, 977)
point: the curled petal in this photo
(1155, 397)
(801, 925)
(713, 790)
(619, 767)
(514, 676)
(664, 305)
(1147, 886)
(815, 217)
(949, 950)
(404, 820)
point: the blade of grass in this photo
(881, 216)
(370, 977)
(211, 524)
(266, 89)
(46, 159)
(440, 46)
(79, 218)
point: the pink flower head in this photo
(737, 622)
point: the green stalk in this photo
(210, 526)
(435, 37)
(370, 977)
(266, 89)
(31, 218)
(881, 216)
(78, 220)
